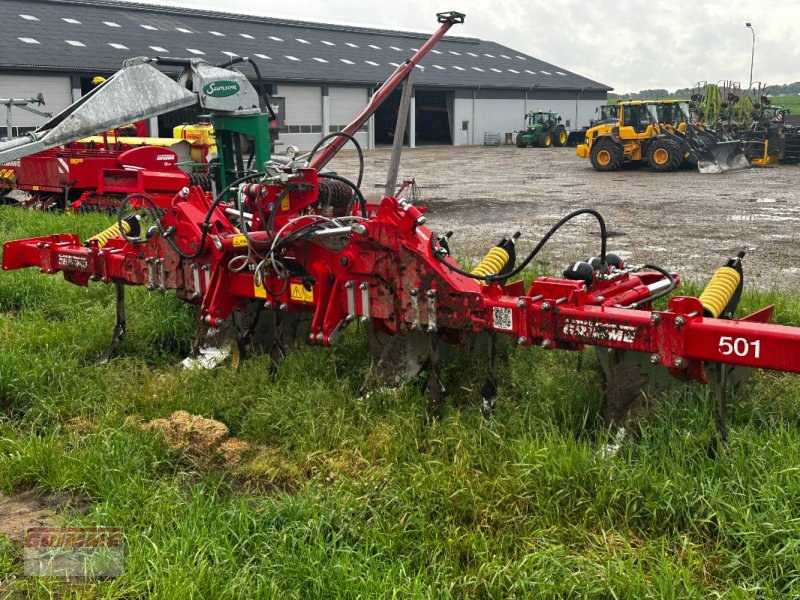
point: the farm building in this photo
(466, 87)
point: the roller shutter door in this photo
(57, 92)
(345, 103)
(303, 115)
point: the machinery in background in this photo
(59, 163)
(661, 135)
(603, 114)
(750, 117)
(98, 171)
(280, 256)
(24, 104)
(543, 129)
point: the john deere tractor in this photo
(543, 129)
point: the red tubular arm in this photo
(447, 20)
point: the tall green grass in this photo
(353, 497)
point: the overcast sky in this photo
(629, 45)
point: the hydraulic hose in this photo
(494, 277)
(355, 143)
(668, 290)
(205, 224)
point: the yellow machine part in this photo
(767, 158)
(108, 233)
(133, 141)
(492, 263)
(720, 290)
(8, 178)
(200, 136)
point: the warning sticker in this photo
(239, 241)
(285, 205)
(259, 291)
(301, 294)
(503, 318)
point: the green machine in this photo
(543, 129)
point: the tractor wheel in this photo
(606, 155)
(664, 155)
(520, 140)
(545, 140)
(559, 136)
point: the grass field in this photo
(790, 102)
(346, 497)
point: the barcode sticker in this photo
(503, 318)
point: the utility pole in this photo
(752, 53)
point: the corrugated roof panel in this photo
(245, 35)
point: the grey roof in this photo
(97, 35)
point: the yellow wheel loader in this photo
(658, 134)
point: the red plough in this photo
(289, 243)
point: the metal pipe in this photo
(752, 53)
(399, 131)
(345, 230)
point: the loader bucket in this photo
(723, 156)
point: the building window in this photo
(333, 128)
(464, 125)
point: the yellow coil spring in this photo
(720, 290)
(492, 263)
(113, 231)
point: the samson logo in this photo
(589, 330)
(221, 89)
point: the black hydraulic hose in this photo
(270, 224)
(361, 200)
(553, 230)
(672, 285)
(152, 208)
(263, 96)
(539, 246)
(205, 224)
(355, 143)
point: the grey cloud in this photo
(630, 45)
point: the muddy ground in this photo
(683, 221)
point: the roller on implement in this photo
(293, 253)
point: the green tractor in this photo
(543, 129)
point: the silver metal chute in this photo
(137, 92)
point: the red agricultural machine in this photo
(295, 253)
(89, 174)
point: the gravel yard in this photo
(684, 221)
